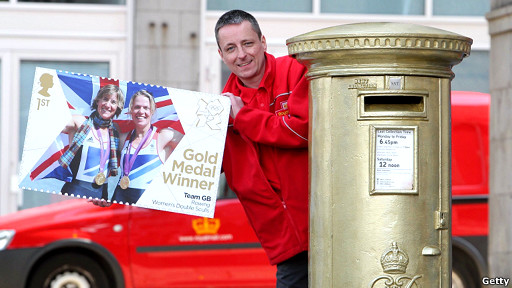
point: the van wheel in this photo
(69, 270)
(464, 273)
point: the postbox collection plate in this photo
(393, 161)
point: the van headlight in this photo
(5, 238)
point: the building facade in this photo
(500, 157)
(172, 43)
(79, 37)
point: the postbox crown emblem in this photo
(394, 260)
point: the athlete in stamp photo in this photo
(144, 149)
(94, 141)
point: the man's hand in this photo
(100, 202)
(236, 103)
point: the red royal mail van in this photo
(470, 187)
(77, 244)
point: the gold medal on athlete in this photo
(100, 179)
(125, 182)
(129, 159)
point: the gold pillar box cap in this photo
(377, 48)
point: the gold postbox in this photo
(380, 153)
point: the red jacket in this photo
(266, 156)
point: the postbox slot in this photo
(394, 103)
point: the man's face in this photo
(243, 52)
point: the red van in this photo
(77, 244)
(470, 187)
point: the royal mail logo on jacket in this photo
(284, 109)
(281, 104)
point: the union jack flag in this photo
(80, 91)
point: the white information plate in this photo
(394, 159)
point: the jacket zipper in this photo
(295, 229)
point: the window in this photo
(461, 7)
(472, 74)
(27, 70)
(398, 7)
(389, 7)
(261, 5)
(468, 138)
(114, 2)
(225, 73)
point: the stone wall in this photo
(166, 43)
(500, 181)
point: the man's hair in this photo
(236, 17)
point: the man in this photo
(266, 155)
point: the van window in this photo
(467, 155)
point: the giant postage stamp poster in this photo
(126, 142)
